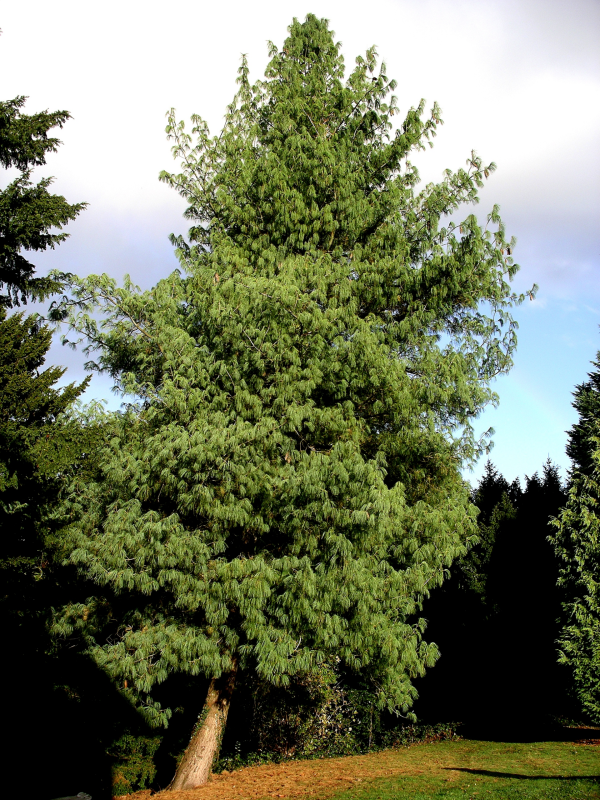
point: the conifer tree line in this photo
(276, 521)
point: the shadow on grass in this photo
(493, 774)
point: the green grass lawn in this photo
(479, 769)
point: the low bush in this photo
(327, 714)
(133, 764)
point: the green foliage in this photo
(287, 488)
(39, 447)
(316, 714)
(28, 211)
(577, 542)
(342, 720)
(580, 445)
(133, 766)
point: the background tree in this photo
(495, 621)
(461, 613)
(32, 461)
(580, 444)
(32, 447)
(35, 453)
(28, 211)
(43, 442)
(288, 488)
(522, 592)
(576, 539)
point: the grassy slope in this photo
(477, 770)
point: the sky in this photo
(518, 82)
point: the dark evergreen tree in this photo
(495, 619)
(289, 489)
(461, 614)
(33, 457)
(522, 590)
(576, 539)
(496, 501)
(29, 213)
(43, 442)
(34, 453)
(580, 444)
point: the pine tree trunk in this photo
(196, 764)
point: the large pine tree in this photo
(289, 487)
(577, 543)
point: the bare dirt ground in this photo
(317, 778)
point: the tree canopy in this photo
(287, 484)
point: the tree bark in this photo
(195, 766)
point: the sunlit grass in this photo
(472, 769)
